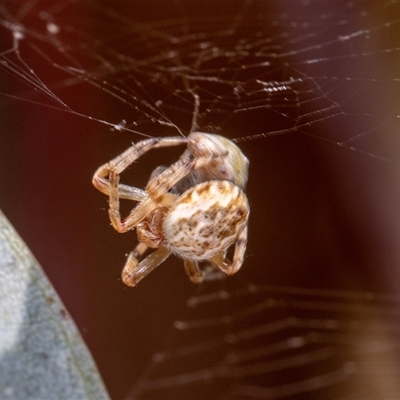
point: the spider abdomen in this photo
(206, 220)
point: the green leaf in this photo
(42, 355)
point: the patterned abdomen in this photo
(206, 220)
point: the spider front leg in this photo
(231, 267)
(124, 160)
(119, 164)
(135, 216)
(162, 183)
(116, 191)
(134, 271)
(157, 190)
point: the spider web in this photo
(215, 71)
(309, 91)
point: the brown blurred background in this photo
(323, 215)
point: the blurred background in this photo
(310, 90)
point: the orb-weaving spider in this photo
(196, 208)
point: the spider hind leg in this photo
(134, 271)
(196, 275)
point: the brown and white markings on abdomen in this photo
(206, 220)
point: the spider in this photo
(196, 208)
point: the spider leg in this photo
(138, 213)
(193, 271)
(124, 191)
(134, 271)
(135, 216)
(160, 184)
(157, 190)
(115, 190)
(231, 267)
(121, 162)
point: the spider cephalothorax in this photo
(196, 208)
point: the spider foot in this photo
(225, 264)
(196, 275)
